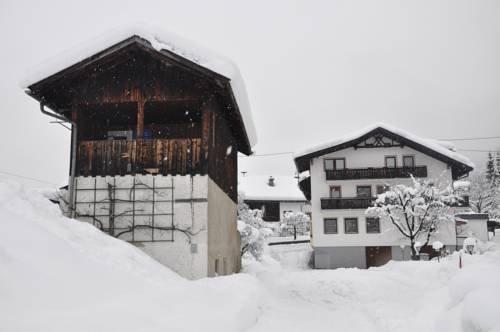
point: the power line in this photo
(27, 178)
(469, 139)
(472, 150)
(288, 152)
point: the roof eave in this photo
(33, 89)
(302, 162)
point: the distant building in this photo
(274, 195)
(471, 225)
(157, 123)
(347, 174)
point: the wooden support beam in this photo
(140, 117)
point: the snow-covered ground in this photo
(62, 275)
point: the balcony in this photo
(364, 203)
(139, 156)
(376, 173)
(346, 203)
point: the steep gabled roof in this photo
(163, 43)
(460, 164)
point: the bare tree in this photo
(481, 194)
(296, 220)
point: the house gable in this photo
(381, 137)
(59, 90)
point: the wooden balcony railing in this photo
(346, 203)
(139, 156)
(376, 173)
(364, 203)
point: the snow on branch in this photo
(417, 211)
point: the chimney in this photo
(270, 183)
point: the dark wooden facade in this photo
(139, 110)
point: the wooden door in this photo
(377, 256)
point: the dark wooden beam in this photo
(140, 118)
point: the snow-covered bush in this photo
(417, 211)
(298, 221)
(253, 230)
(437, 245)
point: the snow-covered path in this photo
(408, 296)
(61, 275)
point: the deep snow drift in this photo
(62, 275)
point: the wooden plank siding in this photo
(221, 149)
(140, 156)
(178, 119)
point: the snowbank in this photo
(400, 296)
(58, 274)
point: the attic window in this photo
(408, 161)
(390, 162)
(334, 164)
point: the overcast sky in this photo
(314, 70)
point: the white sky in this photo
(314, 70)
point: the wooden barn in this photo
(157, 123)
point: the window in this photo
(270, 209)
(330, 225)
(333, 164)
(408, 161)
(390, 161)
(364, 191)
(351, 225)
(335, 192)
(382, 189)
(372, 225)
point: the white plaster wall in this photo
(185, 255)
(388, 236)
(477, 228)
(363, 158)
(294, 207)
(223, 237)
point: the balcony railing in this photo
(364, 203)
(376, 173)
(346, 203)
(139, 156)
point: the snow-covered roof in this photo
(159, 40)
(256, 187)
(444, 148)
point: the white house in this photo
(347, 173)
(471, 225)
(274, 195)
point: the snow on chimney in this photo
(271, 181)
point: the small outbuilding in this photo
(157, 122)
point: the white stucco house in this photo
(346, 174)
(275, 195)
